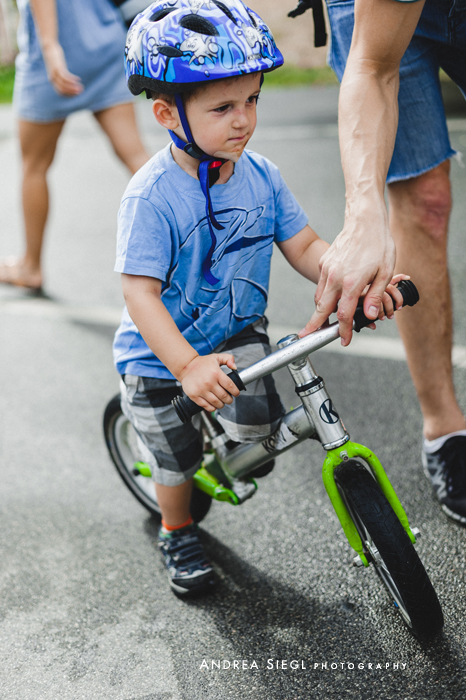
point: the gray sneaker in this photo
(446, 470)
(189, 571)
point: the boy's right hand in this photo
(206, 384)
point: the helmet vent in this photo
(225, 10)
(169, 51)
(160, 14)
(253, 19)
(197, 24)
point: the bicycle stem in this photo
(290, 353)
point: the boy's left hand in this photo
(392, 299)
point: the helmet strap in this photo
(208, 173)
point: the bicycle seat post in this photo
(316, 401)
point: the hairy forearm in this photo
(363, 254)
(368, 119)
(368, 106)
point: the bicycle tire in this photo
(121, 441)
(395, 559)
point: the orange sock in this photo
(187, 522)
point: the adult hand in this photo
(64, 82)
(355, 260)
(206, 384)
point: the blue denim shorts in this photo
(439, 41)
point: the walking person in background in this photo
(70, 59)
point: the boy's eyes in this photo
(251, 100)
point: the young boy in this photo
(195, 256)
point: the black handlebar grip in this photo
(409, 292)
(186, 409)
(410, 297)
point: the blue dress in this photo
(92, 34)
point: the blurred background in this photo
(85, 609)
(304, 64)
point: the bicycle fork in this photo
(336, 441)
(223, 473)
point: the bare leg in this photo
(119, 123)
(174, 502)
(38, 144)
(419, 214)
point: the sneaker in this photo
(446, 469)
(189, 570)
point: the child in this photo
(195, 256)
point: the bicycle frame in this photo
(365, 502)
(223, 473)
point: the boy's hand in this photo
(206, 384)
(392, 300)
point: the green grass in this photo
(292, 76)
(287, 76)
(7, 79)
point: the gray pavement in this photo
(85, 608)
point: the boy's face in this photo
(222, 117)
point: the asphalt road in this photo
(85, 608)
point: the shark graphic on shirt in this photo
(241, 262)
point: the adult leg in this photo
(419, 214)
(38, 144)
(119, 123)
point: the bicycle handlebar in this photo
(186, 408)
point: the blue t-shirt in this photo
(163, 233)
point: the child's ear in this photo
(166, 114)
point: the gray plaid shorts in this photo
(173, 450)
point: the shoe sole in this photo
(206, 587)
(454, 516)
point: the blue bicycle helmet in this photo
(175, 45)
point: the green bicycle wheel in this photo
(392, 553)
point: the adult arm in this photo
(364, 252)
(45, 20)
(200, 376)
